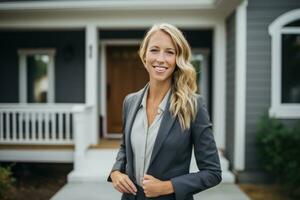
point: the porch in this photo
(44, 132)
(62, 133)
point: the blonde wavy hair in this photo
(183, 100)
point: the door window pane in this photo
(37, 78)
(290, 68)
(196, 61)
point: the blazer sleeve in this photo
(206, 155)
(120, 162)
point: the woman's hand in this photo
(122, 183)
(154, 187)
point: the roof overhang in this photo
(98, 5)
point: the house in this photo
(65, 67)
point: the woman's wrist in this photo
(167, 187)
(114, 173)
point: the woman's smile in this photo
(160, 69)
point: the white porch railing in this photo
(47, 124)
(40, 123)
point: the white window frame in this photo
(276, 29)
(23, 53)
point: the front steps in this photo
(97, 166)
(98, 163)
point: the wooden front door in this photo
(125, 74)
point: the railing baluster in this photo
(7, 126)
(67, 125)
(27, 114)
(20, 121)
(46, 118)
(14, 126)
(53, 126)
(40, 126)
(60, 126)
(33, 124)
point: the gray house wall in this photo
(260, 14)
(230, 87)
(69, 62)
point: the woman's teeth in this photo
(160, 69)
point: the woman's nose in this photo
(160, 57)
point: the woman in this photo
(162, 123)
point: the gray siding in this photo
(230, 86)
(260, 15)
(69, 71)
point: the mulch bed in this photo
(37, 181)
(264, 191)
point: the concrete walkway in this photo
(105, 191)
(89, 183)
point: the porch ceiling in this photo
(224, 6)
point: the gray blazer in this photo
(171, 156)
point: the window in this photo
(36, 75)
(285, 33)
(200, 62)
(290, 68)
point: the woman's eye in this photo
(170, 52)
(153, 50)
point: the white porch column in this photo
(91, 72)
(219, 83)
(240, 82)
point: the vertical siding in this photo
(69, 73)
(230, 86)
(258, 93)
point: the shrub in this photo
(6, 181)
(279, 149)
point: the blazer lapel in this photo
(163, 131)
(134, 106)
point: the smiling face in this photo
(160, 57)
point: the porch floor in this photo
(107, 144)
(105, 191)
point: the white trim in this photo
(37, 155)
(282, 20)
(285, 111)
(91, 77)
(103, 81)
(111, 5)
(22, 79)
(219, 83)
(290, 30)
(108, 19)
(51, 74)
(103, 91)
(276, 29)
(23, 72)
(240, 85)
